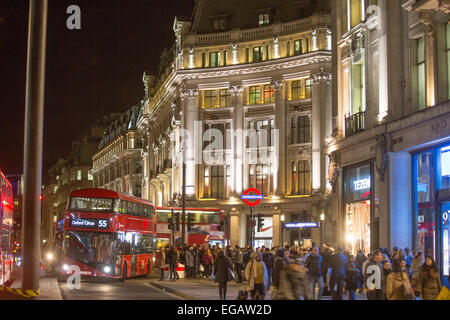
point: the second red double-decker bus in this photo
(108, 234)
(207, 226)
(6, 225)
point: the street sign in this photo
(301, 225)
(247, 196)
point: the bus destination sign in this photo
(84, 223)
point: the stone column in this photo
(320, 125)
(234, 228)
(237, 91)
(280, 145)
(190, 116)
(277, 229)
(243, 229)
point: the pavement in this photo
(202, 289)
(49, 288)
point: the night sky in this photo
(90, 72)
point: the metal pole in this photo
(173, 227)
(183, 212)
(34, 122)
(252, 242)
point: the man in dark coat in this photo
(360, 258)
(314, 264)
(268, 259)
(278, 266)
(172, 260)
(222, 267)
(338, 273)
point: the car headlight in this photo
(65, 267)
(107, 269)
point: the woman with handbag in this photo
(398, 286)
(222, 273)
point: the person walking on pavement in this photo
(256, 276)
(268, 259)
(429, 284)
(338, 273)
(207, 262)
(278, 266)
(314, 264)
(222, 268)
(190, 267)
(237, 262)
(161, 262)
(360, 259)
(353, 280)
(195, 252)
(374, 293)
(396, 282)
(416, 263)
(172, 260)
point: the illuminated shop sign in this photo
(357, 184)
(82, 223)
(363, 184)
(301, 225)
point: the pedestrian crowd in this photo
(294, 273)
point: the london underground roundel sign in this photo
(252, 194)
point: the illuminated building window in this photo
(264, 130)
(214, 187)
(254, 95)
(358, 88)
(269, 94)
(421, 71)
(304, 129)
(257, 54)
(296, 90)
(214, 59)
(301, 178)
(260, 177)
(79, 176)
(264, 19)
(210, 99)
(225, 98)
(353, 12)
(224, 130)
(298, 47)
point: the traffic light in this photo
(177, 221)
(190, 222)
(260, 222)
(170, 223)
(220, 227)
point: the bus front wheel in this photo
(124, 273)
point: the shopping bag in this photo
(407, 290)
(213, 275)
(444, 294)
(231, 276)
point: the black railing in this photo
(355, 123)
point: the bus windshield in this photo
(92, 204)
(90, 247)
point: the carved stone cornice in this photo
(277, 85)
(335, 164)
(188, 93)
(236, 88)
(426, 17)
(321, 77)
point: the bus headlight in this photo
(107, 269)
(65, 267)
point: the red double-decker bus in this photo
(208, 226)
(108, 234)
(6, 224)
